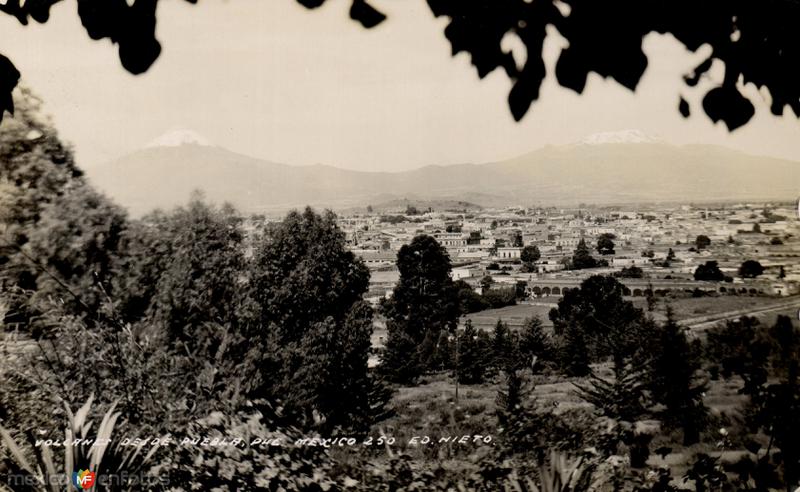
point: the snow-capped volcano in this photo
(623, 136)
(176, 138)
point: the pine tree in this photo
(670, 255)
(620, 398)
(574, 352)
(534, 342)
(582, 257)
(674, 381)
(472, 358)
(509, 409)
(443, 353)
(509, 398)
(426, 351)
(399, 362)
(379, 395)
(500, 345)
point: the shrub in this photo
(497, 298)
(709, 271)
(630, 272)
(103, 453)
(250, 464)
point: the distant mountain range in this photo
(610, 168)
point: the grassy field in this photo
(686, 308)
(430, 409)
(513, 315)
(693, 307)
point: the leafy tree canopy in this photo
(702, 241)
(424, 298)
(630, 272)
(605, 244)
(185, 265)
(57, 235)
(709, 271)
(425, 303)
(597, 310)
(750, 269)
(304, 273)
(530, 254)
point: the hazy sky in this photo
(274, 80)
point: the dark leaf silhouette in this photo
(756, 42)
(9, 76)
(726, 103)
(131, 27)
(311, 4)
(683, 107)
(39, 10)
(364, 13)
(693, 78)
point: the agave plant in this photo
(562, 475)
(88, 453)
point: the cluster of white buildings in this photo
(490, 242)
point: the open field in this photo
(430, 409)
(514, 316)
(691, 308)
(701, 310)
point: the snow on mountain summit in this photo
(176, 138)
(624, 136)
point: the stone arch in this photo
(556, 291)
(753, 291)
(722, 290)
(626, 291)
(546, 291)
(742, 291)
(536, 290)
(637, 293)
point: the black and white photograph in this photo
(400, 245)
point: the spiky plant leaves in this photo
(618, 398)
(15, 450)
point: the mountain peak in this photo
(623, 136)
(178, 137)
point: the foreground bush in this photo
(257, 463)
(90, 453)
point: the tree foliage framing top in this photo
(757, 41)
